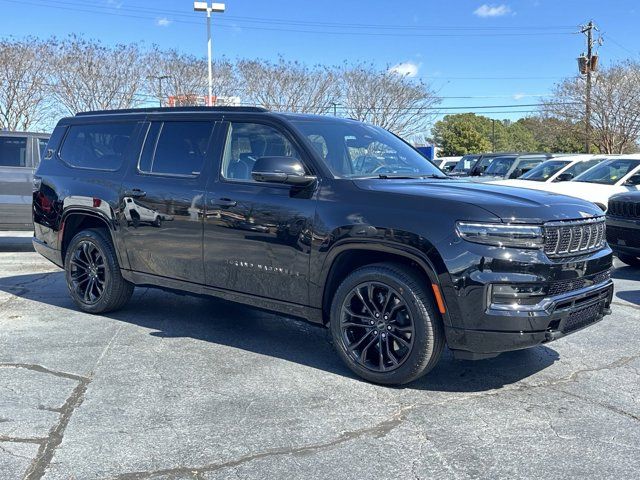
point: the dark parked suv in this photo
(331, 220)
(623, 227)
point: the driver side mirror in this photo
(283, 170)
(633, 180)
(564, 177)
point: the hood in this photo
(511, 204)
(626, 197)
(592, 192)
(518, 183)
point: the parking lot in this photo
(182, 387)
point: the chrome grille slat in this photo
(574, 237)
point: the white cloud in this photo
(406, 69)
(163, 22)
(518, 96)
(114, 3)
(486, 10)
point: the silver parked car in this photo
(20, 154)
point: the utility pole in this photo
(587, 66)
(204, 7)
(159, 78)
(493, 134)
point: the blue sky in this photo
(500, 53)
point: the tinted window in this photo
(175, 148)
(526, 165)
(13, 151)
(99, 146)
(499, 166)
(466, 163)
(246, 142)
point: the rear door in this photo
(16, 182)
(162, 199)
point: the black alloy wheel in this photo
(88, 272)
(93, 274)
(384, 323)
(377, 327)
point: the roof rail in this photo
(172, 109)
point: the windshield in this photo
(578, 168)
(545, 170)
(499, 166)
(609, 172)
(466, 163)
(354, 149)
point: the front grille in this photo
(626, 209)
(583, 317)
(566, 286)
(563, 239)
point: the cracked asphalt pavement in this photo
(180, 387)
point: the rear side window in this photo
(99, 146)
(175, 148)
(13, 151)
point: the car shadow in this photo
(626, 273)
(631, 296)
(16, 244)
(170, 315)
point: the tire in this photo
(157, 222)
(422, 346)
(630, 260)
(91, 257)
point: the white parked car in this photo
(136, 214)
(557, 169)
(615, 175)
(446, 164)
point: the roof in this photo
(172, 110)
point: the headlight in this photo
(502, 235)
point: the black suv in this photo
(331, 220)
(623, 227)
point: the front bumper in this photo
(559, 316)
(623, 235)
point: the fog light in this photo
(515, 295)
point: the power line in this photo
(261, 20)
(95, 9)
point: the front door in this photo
(162, 199)
(257, 235)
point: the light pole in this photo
(204, 7)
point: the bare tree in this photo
(615, 106)
(289, 86)
(23, 83)
(387, 99)
(187, 76)
(90, 76)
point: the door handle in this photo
(135, 193)
(223, 202)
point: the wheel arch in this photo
(77, 219)
(347, 257)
